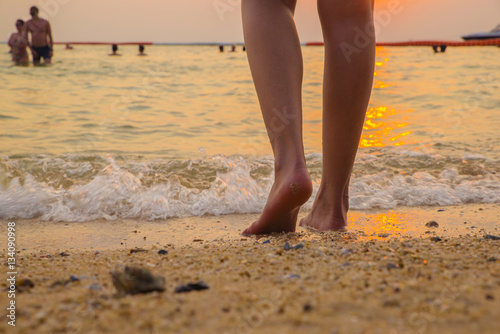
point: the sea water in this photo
(179, 133)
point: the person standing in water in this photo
(141, 51)
(275, 58)
(114, 49)
(41, 38)
(19, 44)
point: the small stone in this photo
(391, 303)
(56, 283)
(307, 307)
(64, 254)
(266, 242)
(197, 240)
(292, 276)
(492, 259)
(135, 280)
(138, 250)
(432, 223)
(198, 286)
(436, 239)
(299, 246)
(489, 297)
(441, 210)
(383, 235)
(391, 266)
(287, 246)
(73, 278)
(162, 252)
(24, 284)
(345, 251)
(491, 237)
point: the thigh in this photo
(36, 58)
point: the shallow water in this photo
(179, 133)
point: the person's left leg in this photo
(275, 59)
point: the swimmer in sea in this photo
(19, 44)
(114, 48)
(141, 51)
(41, 38)
(275, 58)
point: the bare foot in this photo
(328, 213)
(290, 190)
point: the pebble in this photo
(391, 266)
(432, 223)
(198, 286)
(64, 254)
(138, 250)
(436, 239)
(135, 280)
(73, 278)
(492, 259)
(287, 246)
(383, 235)
(391, 303)
(162, 252)
(441, 210)
(292, 276)
(299, 246)
(24, 284)
(307, 307)
(345, 251)
(266, 242)
(491, 237)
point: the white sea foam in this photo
(237, 187)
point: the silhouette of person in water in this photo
(19, 44)
(41, 37)
(275, 59)
(114, 49)
(141, 51)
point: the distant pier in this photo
(484, 42)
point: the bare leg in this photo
(275, 59)
(348, 78)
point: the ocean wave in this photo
(82, 188)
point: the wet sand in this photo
(389, 274)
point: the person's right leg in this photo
(275, 59)
(348, 78)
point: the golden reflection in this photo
(379, 225)
(380, 84)
(377, 133)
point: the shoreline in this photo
(122, 233)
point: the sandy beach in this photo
(390, 273)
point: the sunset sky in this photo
(188, 21)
